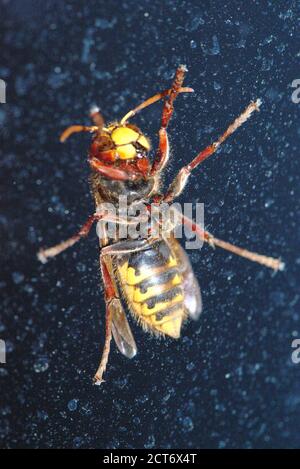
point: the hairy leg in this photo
(110, 297)
(162, 154)
(180, 181)
(44, 254)
(113, 305)
(271, 262)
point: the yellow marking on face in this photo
(124, 135)
(142, 140)
(126, 152)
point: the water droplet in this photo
(194, 23)
(150, 443)
(190, 366)
(268, 203)
(72, 404)
(41, 365)
(42, 415)
(215, 50)
(77, 441)
(18, 277)
(188, 424)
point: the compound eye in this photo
(108, 155)
(124, 135)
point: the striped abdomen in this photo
(152, 285)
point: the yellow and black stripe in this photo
(152, 286)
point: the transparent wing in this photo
(193, 299)
(122, 332)
(192, 292)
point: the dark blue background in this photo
(230, 381)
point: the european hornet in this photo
(153, 276)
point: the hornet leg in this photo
(162, 154)
(180, 181)
(271, 262)
(44, 254)
(112, 299)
